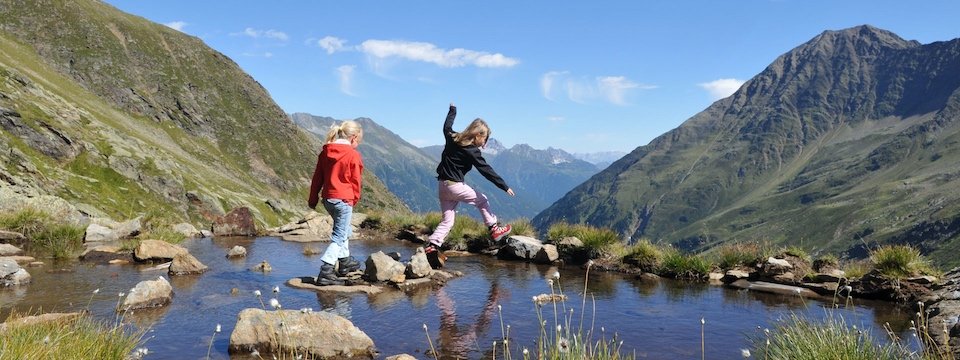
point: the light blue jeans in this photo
(339, 247)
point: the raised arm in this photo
(448, 124)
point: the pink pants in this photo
(452, 194)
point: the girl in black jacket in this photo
(461, 153)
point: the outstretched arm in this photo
(448, 123)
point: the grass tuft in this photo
(900, 261)
(75, 338)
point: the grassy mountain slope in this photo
(848, 139)
(129, 117)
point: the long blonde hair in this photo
(477, 129)
(345, 130)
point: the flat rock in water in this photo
(306, 282)
(774, 288)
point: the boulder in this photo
(11, 237)
(148, 294)
(9, 250)
(780, 289)
(188, 230)
(186, 264)
(381, 267)
(99, 233)
(520, 247)
(19, 277)
(157, 250)
(263, 266)
(734, 275)
(7, 267)
(38, 319)
(308, 283)
(239, 222)
(418, 267)
(237, 252)
(547, 254)
(313, 334)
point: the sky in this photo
(582, 76)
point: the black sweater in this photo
(457, 160)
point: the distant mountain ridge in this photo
(846, 139)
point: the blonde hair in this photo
(477, 129)
(345, 130)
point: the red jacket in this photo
(339, 173)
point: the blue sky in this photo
(580, 76)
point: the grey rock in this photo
(156, 250)
(237, 252)
(317, 334)
(418, 267)
(148, 294)
(9, 250)
(186, 264)
(520, 247)
(380, 267)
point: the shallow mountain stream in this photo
(655, 320)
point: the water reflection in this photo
(458, 338)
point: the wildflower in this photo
(797, 290)
(564, 345)
(558, 328)
(255, 353)
(256, 293)
(589, 263)
(46, 339)
(556, 274)
(274, 303)
(767, 331)
(702, 321)
(745, 353)
(96, 291)
(525, 351)
(120, 295)
(848, 289)
(218, 328)
(550, 282)
(142, 351)
(276, 289)
(425, 328)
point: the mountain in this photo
(543, 175)
(601, 159)
(851, 138)
(121, 116)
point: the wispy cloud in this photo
(263, 54)
(612, 89)
(556, 119)
(332, 44)
(345, 73)
(721, 88)
(176, 25)
(430, 53)
(266, 34)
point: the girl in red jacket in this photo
(337, 180)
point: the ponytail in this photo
(344, 130)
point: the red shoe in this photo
(498, 232)
(435, 257)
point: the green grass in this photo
(76, 338)
(684, 266)
(900, 261)
(831, 338)
(464, 227)
(523, 227)
(645, 256)
(45, 235)
(594, 239)
(736, 254)
(856, 269)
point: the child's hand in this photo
(510, 191)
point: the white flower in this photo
(256, 293)
(96, 291)
(525, 351)
(255, 353)
(558, 328)
(556, 274)
(703, 321)
(46, 339)
(589, 263)
(143, 351)
(218, 328)
(276, 289)
(499, 307)
(274, 303)
(120, 295)
(745, 353)
(424, 326)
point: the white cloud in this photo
(612, 89)
(721, 88)
(556, 119)
(332, 44)
(548, 83)
(263, 55)
(427, 52)
(268, 34)
(176, 25)
(345, 73)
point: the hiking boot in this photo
(435, 257)
(328, 276)
(347, 265)
(498, 232)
